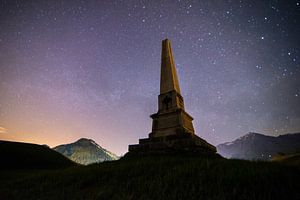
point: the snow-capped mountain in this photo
(258, 146)
(85, 151)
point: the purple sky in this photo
(72, 69)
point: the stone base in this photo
(172, 143)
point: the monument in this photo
(172, 127)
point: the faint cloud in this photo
(3, 130)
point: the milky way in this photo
(71, 69)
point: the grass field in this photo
(156, 177)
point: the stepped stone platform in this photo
(179, 142)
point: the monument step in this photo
(179, 142)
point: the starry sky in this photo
(72, 69)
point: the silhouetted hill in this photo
(258, 146)
(158, 177)
(25, 155)
(85, 151)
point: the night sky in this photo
(72, 69)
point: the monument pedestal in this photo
(170, 143)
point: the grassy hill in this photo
(19, 155)
(157, 177)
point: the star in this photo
(88, 67)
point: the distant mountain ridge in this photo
(85, 151)
(258, 146)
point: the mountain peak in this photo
(253, 133)
(85, 140)
(250, 135)
(85, 151)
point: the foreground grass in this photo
(164, 177)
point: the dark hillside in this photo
(19, 155)
(160, 177)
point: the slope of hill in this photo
(160, 177)
(288, 159)
(85, 151)
(25, 155)
(258, 146)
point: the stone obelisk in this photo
(172, 127)
(171, 118)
